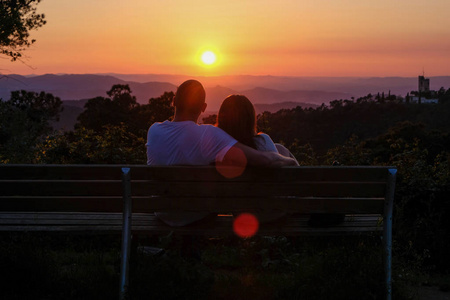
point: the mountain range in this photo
(86, 86)
(266, 92)
(259, 89)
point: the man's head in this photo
(190, 98)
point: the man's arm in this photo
(240, 152)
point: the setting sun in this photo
(208, 57)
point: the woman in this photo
(237, 117)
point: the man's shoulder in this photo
(187, 127)
(169, 125)
(159, 124)
(213, 130)
(164, 123)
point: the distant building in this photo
(415, 99)
(424, 94)
(424, 84)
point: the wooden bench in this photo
(113, 198)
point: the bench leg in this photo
(387, 232)
(126, 234)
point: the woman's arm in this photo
(240, 153)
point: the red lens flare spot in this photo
(245, 225)
(233, 164)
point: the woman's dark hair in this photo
(237, 118)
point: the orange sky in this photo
(257, 37)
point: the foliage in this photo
(38, 266)
(304, 154)
(17, 18)
(352, 152)
(122, 108)
(110, 130)
(25, 119)
(115, 145)
(55, 266)
(373, 131)
(157, 110)
(211, 119)
(101, 111)
(169, 277)
(422, 205)
(421, 214)
(327, 127)
(333, 269)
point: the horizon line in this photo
(217, 76)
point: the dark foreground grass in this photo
(44, 266)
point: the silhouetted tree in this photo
(161, 108)
(121, 95)
(211, 119)
(24, 120)
(157, 110)
(17, 18)
(99, 112)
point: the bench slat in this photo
(195, 173)
(183, 189)
(60, 172)
(108, 223)
(148, 218)
(150, 204)
(259, 189)
(254, 174)
(61, 204)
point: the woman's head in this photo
(237, 118)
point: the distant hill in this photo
(259, 95)
(355, 86)
(75, 87)
(274, 107)
(259, 89)
(86, 86)
(270, 93)
(260, 108)
(266, 96)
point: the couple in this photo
(184, 142)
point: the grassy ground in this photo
(42, 266)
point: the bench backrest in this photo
(99, 188)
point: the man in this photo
(184, 142)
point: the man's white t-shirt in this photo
(185, 143)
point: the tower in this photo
(424, 84)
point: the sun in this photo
(208, 57)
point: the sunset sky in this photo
(258, 37)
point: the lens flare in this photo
(233, 164)
(245, 225)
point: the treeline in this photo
(110, 129)
(414, 138)
(366, 131)
(327, 127)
